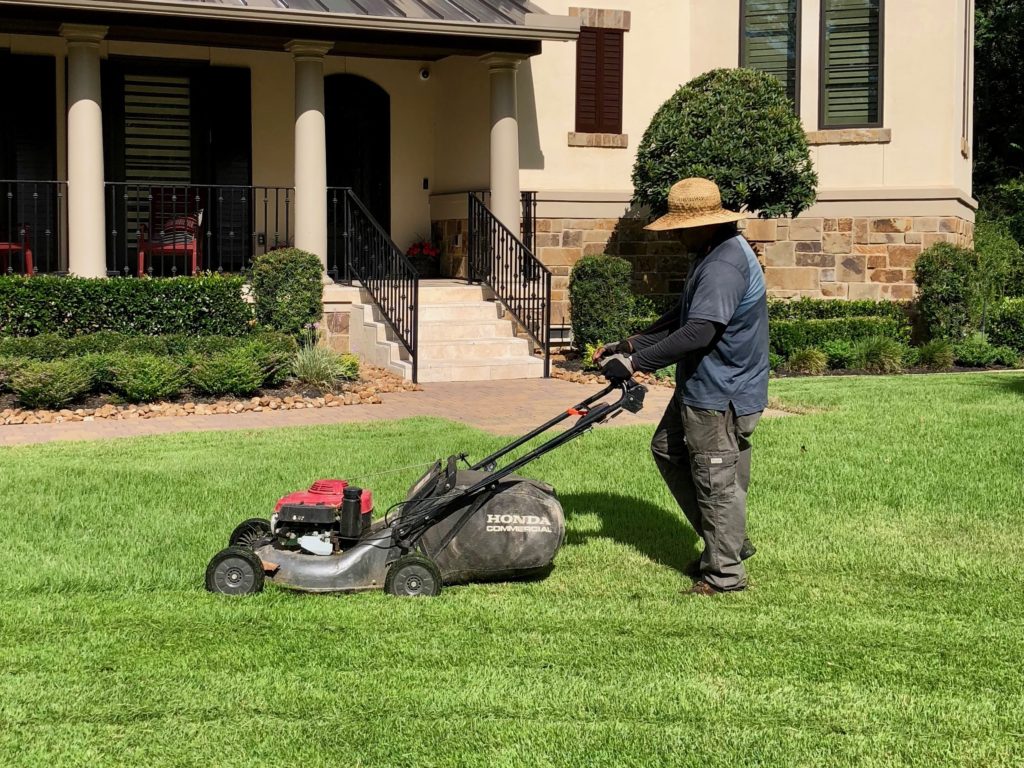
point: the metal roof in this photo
(512, 12)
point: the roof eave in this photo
(537, 27)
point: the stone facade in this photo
(848, 258)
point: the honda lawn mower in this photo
(477, 523)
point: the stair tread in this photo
(472, 341)
(482, 361)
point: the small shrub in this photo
(602, 304)
(811, 361)
(323, 368)
(287, 286)
(274, 353)
(911, 357)
(587, 357)
(949, 290)
(975, 352)
(840, 353)
(775, 361)
(663, 374)
(880, 354)
(789, 336)
(46, 346)
(101, 369)
(936, 355)
(51, 383)
(145, 378)
(232, 372)
(736, 127)
(9, 365)
(1007, 356)
(1006, 324)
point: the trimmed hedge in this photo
(287, 286)
(1006, 324)
(72, 306)
(51, 383)
(789, 336)
(949, 290)
(828, 309)
(602, 304)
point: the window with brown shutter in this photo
(599, 80)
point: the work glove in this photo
(617, 368)
(616, 348)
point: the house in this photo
(168, 136)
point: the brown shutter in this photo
(587, 77)
(610, 116)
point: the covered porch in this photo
(165, 138)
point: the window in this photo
(770, 41)
(851, 63)
(599, 80)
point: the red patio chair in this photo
(24, 248)
(175, 230)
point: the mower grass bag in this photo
(455, 526)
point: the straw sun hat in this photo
(694, 203)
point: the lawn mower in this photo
(456, 525)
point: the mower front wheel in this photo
(246, 534)
(235, 571)
(413, 576)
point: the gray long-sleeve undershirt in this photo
(666, 342)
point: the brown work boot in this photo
(703, 589)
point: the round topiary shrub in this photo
(602, 303)
(287, 286)
(738, 128)
(949, 292)
(236, 371)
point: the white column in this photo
(310, 147)
(505, 202)
(86, 215)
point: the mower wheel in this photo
(235, 571)
(248, 533)
(413, 576)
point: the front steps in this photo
(462, 337)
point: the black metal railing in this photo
(165, 230)
(31, 220)
(529, 219)
(360, 249)
(498, 258)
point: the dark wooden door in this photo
(358, 113)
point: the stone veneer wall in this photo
(849, 258)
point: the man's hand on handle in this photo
(617, 368)
(616, 348)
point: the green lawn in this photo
(884, 625)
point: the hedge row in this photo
(1006, 325)
(72, 306)
(50, 346)
(790, 336)
(829, 309)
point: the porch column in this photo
(86, 216)
(505, 202)
(310, 147)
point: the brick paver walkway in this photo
(500, 407)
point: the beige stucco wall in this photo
(671, 41)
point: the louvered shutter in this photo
(770, 40)
(599, 64)
(851, 51)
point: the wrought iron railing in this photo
(165, 230)
(498, 258)
(31, 221)
(529, 218)
(360, 249)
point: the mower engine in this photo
(328, 518)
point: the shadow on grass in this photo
(1008, 382)
(663, 536)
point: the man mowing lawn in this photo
(717, 336)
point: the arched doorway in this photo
(358, 114)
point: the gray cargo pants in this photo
(704, 457)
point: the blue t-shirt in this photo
(727, 287)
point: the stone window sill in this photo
(606, 140)
(850, 136)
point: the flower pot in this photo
(425, 265)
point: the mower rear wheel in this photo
(235, 571)
(246, 534)
(413, 576)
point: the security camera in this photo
(424, 74)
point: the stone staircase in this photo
(463, 336)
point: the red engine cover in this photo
(327, 493)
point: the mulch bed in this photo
(366, 391)
(571, 369)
